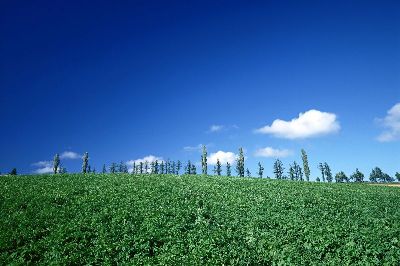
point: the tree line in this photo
(294, 172)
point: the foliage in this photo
(218, 169)
(240, 163)
(13, 171)
(56, 164)
(85, 162)
(228, 169)
(204, 161)
(111, 219)
(341, 177)
(305, 164)
(278, 169)
(357, 176)
(260, 170)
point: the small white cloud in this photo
(70, 155)
(273, 153)
(45, 167)
(223, 157)
(392, 124)
(149, 159)
(197, 148)
(216, 128)
(312, 123)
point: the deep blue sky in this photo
(123, 81)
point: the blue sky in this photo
(139, 78)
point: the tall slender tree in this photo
(321, 167)
(228, 169)
(305, 164)
(240, 163)
(104, 169)
(188, 168)
(85, 162)
(162, 167)
(113, 168)
(278, 169)
(260, 170)
(141, 167)
(56, 163)
(178, 167)
(194, 170)
(328, 173)
(146, 167)
(219, 167)
(204, 161)
(248, 173)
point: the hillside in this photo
(154, 219)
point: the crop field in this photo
(194, 220)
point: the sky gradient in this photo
(129, 80)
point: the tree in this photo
(194, 170)
(62, 170)
(321, 167)
(376, 175)
(188, 168)
(305, 164)
(113, 168)
(228, 169)
(94, 170)
(178, 167)
(134, 168)
(278, 169)
(156, 167)
(397, 176)
(260, 170)
(104, 169)
(219, 169)
(341, 177)
(56, 163)
(328, 173)
(89, 169)
(141, 167)
(173, 168)
(85, 162)
(318, 180)
(248, 174)
(240, 163)
(357, 176)
(291, 172)
(122, 167)
(13, 171)
(146, 167)
(204, 161)
(162, 167)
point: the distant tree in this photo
(278, 169)
(168, 167)
(188, 168)
(113, 168)
(321, 167)
(260, 170)
(141, 167)
(204, 161)
(214, 170)
(194, 170)
(357, 176)
(248, 173)
(317, 179)
(291, 172)
(340, 177)
(13, 171)
(134, 168)
(62, 170)
(85, 162)
(240, 163)
(178, 167)
(376, 175)
(228, 169)
(173, 168)
(328, 173)
(89, 169)
(104, 169)
(219, 167)
(56, 163)
(162, 167)
(305, 164)
(298, 172)
(122, 168)
(156, 167)
(146, 167)
(398, 176)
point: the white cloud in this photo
(273, 153)
(312, 123)
(223, 157)
(392, 124)
(197, 148)
(70, 155)
(149, 159)
(44, 167)
(216, 128)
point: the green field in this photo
(194, 220)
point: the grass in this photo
(194, 220)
